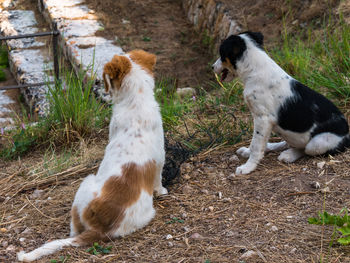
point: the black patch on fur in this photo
(306, 108)
(232, 48)
(256, 36)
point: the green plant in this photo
(97, 249)
(175, 220)
(339, 222)
(319, 60)
(62, 259)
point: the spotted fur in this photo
(307, 121)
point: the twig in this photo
(55, 219)
(301, 193)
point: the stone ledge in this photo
(211, 17)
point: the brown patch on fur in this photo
(90, 236)
(116, 69)
(78, 226)
(106, 212)
(144, 59)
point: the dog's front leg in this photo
(262, 131)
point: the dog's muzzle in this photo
(219, 69)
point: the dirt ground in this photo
(219, 217)
(160, 27)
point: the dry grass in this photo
(224, 216)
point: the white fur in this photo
(266, 88)
(133, 113)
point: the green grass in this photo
(319, 59)
(75, 114)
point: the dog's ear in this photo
(257, 37)
(144, 59)
(115, 71)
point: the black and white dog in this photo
(307, 121)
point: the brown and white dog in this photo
(119, 199)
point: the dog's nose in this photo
(212, 67)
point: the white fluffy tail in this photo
(47, 249)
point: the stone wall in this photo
(209, 17)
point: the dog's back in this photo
(119, 199)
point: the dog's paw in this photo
(244, 152)
(290, 155)
(245, 169)
(161, 191)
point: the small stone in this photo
(11, 248)
(249, 254)
(211, 208)
(315, 185)
(325, 190)
(22, 239)
(205, 191)
(3, 230)
(36, 194)
(293, 251)
(227, 200)
(320, 165)
(4, 244)
(304, 169)
(289, 217)
(231, 176)
(124, 21)
(234, 159)
(186, 228)
(168, 236)
(26, 231)
(184, 215)
(196, 236)
(49, 198)
(274, 228)
(187, 177)
(269, 224)
(186, 92)
(170, 244)
(220, 195)
(230, 233)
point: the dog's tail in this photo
(85, 238)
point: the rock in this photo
(320, 165)
(22, 239)
(4, 244)
(186, 228)
(219, 195)
(227, 200)
(37, 194)
(170, 244)
(315, 185)
(3, 230)
(168, 236)
(186, 92)
(205, 191)
(211, 208)
(11, 248)
(249, 254)
(234, 159)
(231, 176)
(196, 236)
(293, 250)
(26, 231)
(274, 228)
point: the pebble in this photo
(320, 165)
(274, 228)
(220, 195)
(249, 254)
(3, 230)
(4, 244)
(187, 189)
(11, 248)
(36, 194)
(315, 185)
(168, 236)
(293, 251)
(211, 208)
(26, 231)
(22, 239)
(205, 191)
(186, 92)
(234, 158)
(170, 244)
(196, 236)
(231, 176)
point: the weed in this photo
(146, 39)
(62, 259)
(339, 222)
(319, 60)
(175, 220)
(97, 249)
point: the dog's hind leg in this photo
(276, 146)
(291, 155)
(158, 187)
(323, 143)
